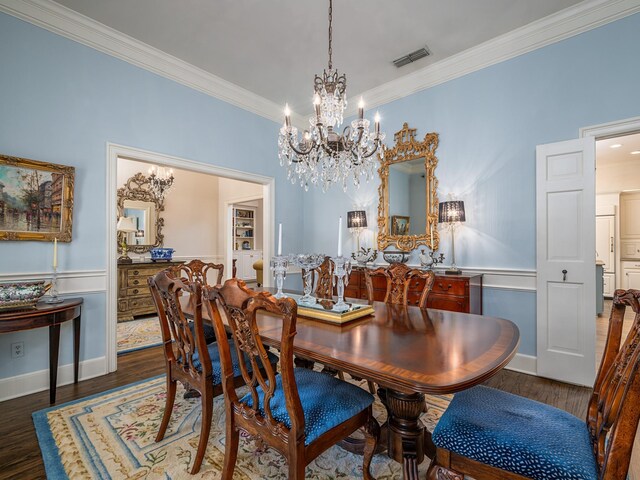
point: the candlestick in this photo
(279, 266)
(55, 253)
(53, 293)
(279, 239)
(341, 273)
(340, 237)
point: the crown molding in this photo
(559, 26)
(572, 21)
(66, 22)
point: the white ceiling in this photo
(274, 48)
(606, 156)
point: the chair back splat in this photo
(180, 343)
(399, 277)
(198, 271)
(614, 408)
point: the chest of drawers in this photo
(456, 293)
(134, 297)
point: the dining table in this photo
(407, 352)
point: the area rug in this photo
(138, 334)
(112, 436)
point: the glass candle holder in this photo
(341, 272)
(279, 265)
(307, 262)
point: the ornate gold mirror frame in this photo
(138, 188)
(406, 149)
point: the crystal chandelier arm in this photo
(297, 150)
(376, 145)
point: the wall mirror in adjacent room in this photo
(408, 203)
(137, 202)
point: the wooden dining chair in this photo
(298, 412)
(188, 357)
(398, 280)
(490, 434)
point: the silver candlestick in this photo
(279, 266)
(341, 273)
(53, 296)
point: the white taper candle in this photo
(55, 253)
(279, 239)
(340, 237)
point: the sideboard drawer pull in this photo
(135, 291)
(136, 282)
(136, 272)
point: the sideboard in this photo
(134, 297)
(456, 293)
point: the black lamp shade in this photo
(357, 219)
(449, 212)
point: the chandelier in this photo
(323, 155)
(160, 180)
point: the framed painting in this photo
(36, 200)
(399, 225)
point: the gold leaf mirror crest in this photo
(408, 199)
(137, 201)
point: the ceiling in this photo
(274, 48)
(606, 155)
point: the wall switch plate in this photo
(17, 350)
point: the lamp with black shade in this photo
(356, 223)
(451, 213)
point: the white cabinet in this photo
(245, 261)
(630, 249)
(630, 215)
(605, 241)
(609, 284)
(631, 275)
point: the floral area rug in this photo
(138, 334)
(112, 436)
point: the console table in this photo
(50, 315)
(134, 297)
(456, 293)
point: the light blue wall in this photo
(61, 102)
(489, 123)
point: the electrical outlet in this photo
(17, 350)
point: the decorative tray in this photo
(324, 310)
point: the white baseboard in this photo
(33, 382)
(524, 364)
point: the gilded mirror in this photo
(137, 201)
(408, 200)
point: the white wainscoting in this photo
(69, 282)
(33, 382)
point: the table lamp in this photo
(451, 213)
(356, 223)
(126, 226)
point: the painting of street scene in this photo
(32, 199)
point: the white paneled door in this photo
(566, 301)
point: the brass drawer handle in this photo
(442, 286)
(135, 291)
(136, 282)
(136, 272)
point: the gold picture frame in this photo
(36, 200)
(400, 224)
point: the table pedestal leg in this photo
(405, 440)
(54, 346)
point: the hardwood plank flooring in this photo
(20, 456)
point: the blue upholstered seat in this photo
(209, 332)
(214, 354)
(517, 434)
(326, 402)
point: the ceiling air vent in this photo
(411, 57)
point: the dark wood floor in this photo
(20, 455)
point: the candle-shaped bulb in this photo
(287, 115)
(377, 120)
(361, 108)
(316, 105)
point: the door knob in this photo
(564, 275)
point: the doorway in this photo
(617, 226)
(117, 155)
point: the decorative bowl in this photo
(17, 295)
(395, 256)
(163, 254)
